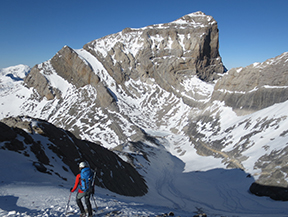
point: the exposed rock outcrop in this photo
(72, 68)
(256, 86)
(274, 192)
(112, 172)
(38, 81)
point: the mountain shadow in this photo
(9, 203)
(274, 192)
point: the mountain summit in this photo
(166, 52)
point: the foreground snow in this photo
(217, 192)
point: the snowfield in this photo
(217, 192)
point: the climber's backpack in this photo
(86, 179)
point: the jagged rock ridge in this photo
(23, 135)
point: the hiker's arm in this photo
(76, 183)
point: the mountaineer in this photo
(84, 181)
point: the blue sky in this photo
(32, 31)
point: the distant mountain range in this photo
(159, 86)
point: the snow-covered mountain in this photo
(160, 98)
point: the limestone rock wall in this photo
(166, 52)
(73, 69)
(256, 86)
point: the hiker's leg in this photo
(79, 203)
(88, 204)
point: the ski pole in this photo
(93, 183)
(68, 203)
(94, 201)
(94, 175)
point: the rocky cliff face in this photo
(166, 52)
(256, 86)
(72, 68)
(40, 83)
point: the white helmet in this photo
(82, 165)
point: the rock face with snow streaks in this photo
(73, 69)
(38, 81)
(166, 52)
(258, 94)
(256, 86)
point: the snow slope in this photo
(217, 192)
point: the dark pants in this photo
(86, 195)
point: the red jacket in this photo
(77, 182)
